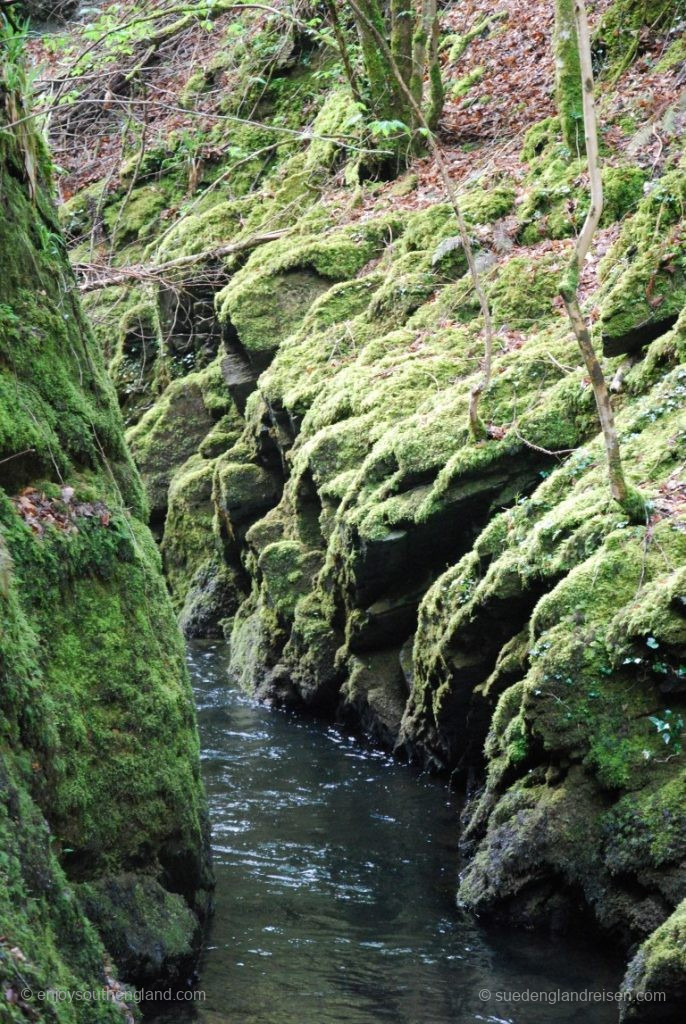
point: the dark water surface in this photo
(336, 874)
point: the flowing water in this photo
(336, 874)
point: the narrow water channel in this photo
(336, 874)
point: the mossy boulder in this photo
(267, 300)
(655, 981)
(645, 271)
(151, 933)
(174, 428)
(47, 941)
(134, 363)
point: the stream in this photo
(336, 873)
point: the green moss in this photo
(268, 299)
(539, 137)
(200, 230)
(126, 650)
(46, 353)
(623, 188)
(283, 569)
(96, 719)
(485, 206)
(557, 202)
(189, 540)
(78, 213)
(150, 932)
(621, 29)
(523, 292)
(47, 943)
(409, 283)
(568, 77)
(462, 86)
(651, 285)
(173, 429)
(133, 365)
(135, 217)
(205, 592)
(658, 966)
(675, 55)
(647, 827)
(242, 490)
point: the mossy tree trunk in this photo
(568, 77)
(411, 31)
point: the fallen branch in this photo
(109, 276)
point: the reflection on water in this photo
(336, 875)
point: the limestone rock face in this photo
(658, 967)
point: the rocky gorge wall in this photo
(103, 833)
(298, 409)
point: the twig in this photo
(538, 448)
(564, 369)
(17, 455)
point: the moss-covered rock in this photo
(47, 942)
(645, 271)
(655, 981)
(97, 724)
(174, 428)
(151, 933)
(204, 590)
(483, 608)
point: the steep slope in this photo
(482, 609)
(99, 776)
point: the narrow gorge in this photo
(241, 332)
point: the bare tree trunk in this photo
(477, 427)
(436, 100)
(387, 99)
(630, 500)
(420, 43)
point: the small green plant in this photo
(669, 727)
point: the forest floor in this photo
(491, 99)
